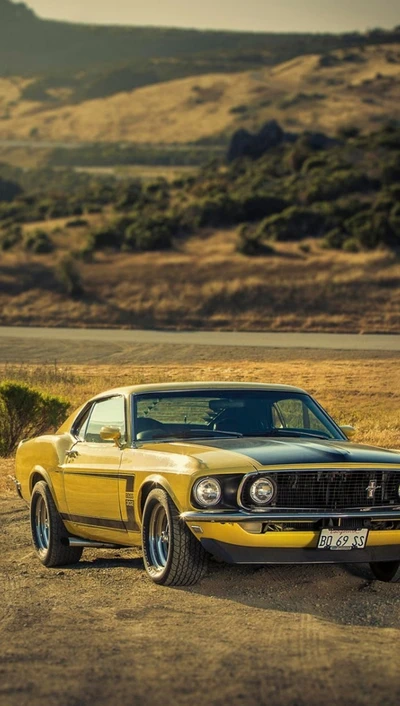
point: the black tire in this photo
(172, 554)
(48, 532)
(388, 571)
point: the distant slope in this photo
(358, 87)
(30, 45)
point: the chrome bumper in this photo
(282, 516)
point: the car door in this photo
(91, 470)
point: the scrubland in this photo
(359, 389)
(205, 284)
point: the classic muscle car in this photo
(249, 473)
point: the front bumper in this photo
(232, 537)
(235, 554)
(381, 514)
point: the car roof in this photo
(196, 386)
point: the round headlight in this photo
(207, 492)
(262, 491)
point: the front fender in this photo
(161, 482)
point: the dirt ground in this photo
(102, 633)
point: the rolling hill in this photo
(30, 45)
(338, 89)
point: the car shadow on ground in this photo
(345, 594)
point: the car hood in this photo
(294, 451)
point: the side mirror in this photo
(348, 430)
(111, 434)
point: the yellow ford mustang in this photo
(249, 473)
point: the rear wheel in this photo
(388, 571)
(172, 554)
(49, 535)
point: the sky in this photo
(247, 15)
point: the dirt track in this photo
(102, 633)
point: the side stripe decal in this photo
(130, 525)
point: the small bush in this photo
(77, 223)
(38, 242)
(295, 223)
(391, 172)
(239, 109)
(68, 274)
(249, 243)
(10, 237)
(153, 232)
(26, 412)
(212, 212)
(105, 238)
(9, 190)
(351, 245)
(253, 207)
(335, 239)
(332, 185)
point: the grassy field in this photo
(358, 389)
(357, 86)
(205, 284)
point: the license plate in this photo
(342, 539)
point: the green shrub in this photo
(295, 223)
(332, 185)
(154, 232)
(9, 190)
(105, 238)
(68, 274)
(212, 212)
(391, 172)
(348, 131)
(314, 162)
(335, 238)
(77, 223)
(376, 229)
(351, 245)
(250, 244)
(129, 196)
(253, 207)
(38, 242)
(10, 237)
(26, 412)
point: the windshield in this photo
(213, 414)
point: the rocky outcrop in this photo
(254, 145)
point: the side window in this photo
(107, 413)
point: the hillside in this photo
(341, 88)
(30, 45)
(305, 237)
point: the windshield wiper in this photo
(195, 434)
(210, 433)
(287, 432)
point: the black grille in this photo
(331, 489)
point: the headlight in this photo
(207, 492)
(262, 491)
(398, 490)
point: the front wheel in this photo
(49, 535)
(388, 571)
(172, 554)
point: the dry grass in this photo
(359, 389)
(299, 93)
(204, 284)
